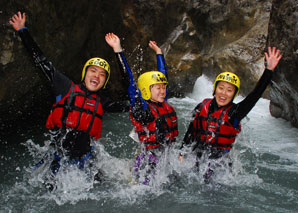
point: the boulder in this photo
(283, 33)
(197, 37)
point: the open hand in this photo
(114, 41)
(18, 21)
(272, 57)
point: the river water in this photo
(263, 177)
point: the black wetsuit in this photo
(76, 143)
(236, 113)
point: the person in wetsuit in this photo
(216, 121)
(154, 119)
(76, 118)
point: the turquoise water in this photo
(263, 177)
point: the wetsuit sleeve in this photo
(241, 109)
(132, 88)
(125, 69)
(144, 116)
(60, 82)
(38, 57)
(138, 105)
(114, 106)
(126, 75)
(188, 138)
(161, 64)
(162, 67)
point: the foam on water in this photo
(265, 146)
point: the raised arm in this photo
(161, 63)
(114, 42)
(243, 108)
(18, 23)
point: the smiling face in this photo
(158, 92)
(224, 93)
(95, 78)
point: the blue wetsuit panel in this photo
(162, 67)
(132, 90)
(58, 98)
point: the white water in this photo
(263, 176)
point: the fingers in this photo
(14, 18)
(277, 53)
(152, 44)
(269, 50)
(21, 16)
(108, 35)
(272, 57)
(18, 17)
(111, 36)
(18, 20)
(273, 52)
(266, 55)
(114, 41)
(279, 57)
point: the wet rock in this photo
(283, 33)
(198, 37)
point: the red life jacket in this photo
(214, 129)
(163, 129)
(78, 111)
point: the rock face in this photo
(198, 37)
(283, 33)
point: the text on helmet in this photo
(159, 78)
(228, 78)
(100, 63)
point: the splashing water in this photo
(263, 176)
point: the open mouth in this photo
(222, 99)
(94, 82)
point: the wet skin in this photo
(158, 92)
(224, 93)
(95, 78)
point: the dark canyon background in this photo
(197, 37)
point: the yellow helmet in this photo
(99, 62)
(149, 78)
(230, 78)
